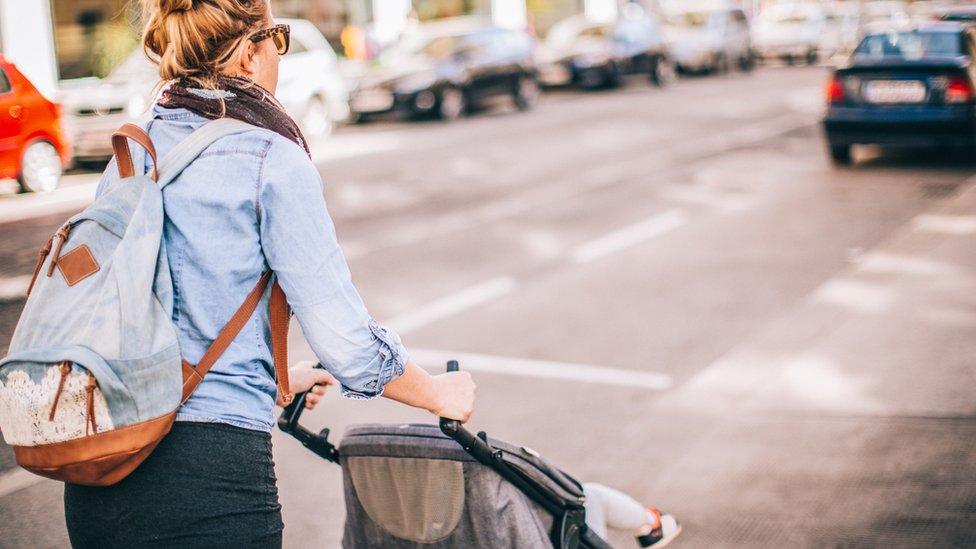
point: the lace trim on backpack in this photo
(25, 408)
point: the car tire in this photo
(663, 72)
(591, 79)
(452, 104)
(40, 167)
(613, 76)
(316, 124)
(747, 63)
(720, 64)
(526, 93)
(840, 155)
(812, 56)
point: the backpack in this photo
(94, 375)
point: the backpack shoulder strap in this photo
(123, 155)
(186, 151)
(279, 317)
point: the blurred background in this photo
(719, 254)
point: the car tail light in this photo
(958, 90)
(834, 90)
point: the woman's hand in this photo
(456, 396)
(449, 395)
(303, 377)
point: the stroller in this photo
(416, 485)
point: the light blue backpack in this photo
(94, 376)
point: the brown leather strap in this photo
(279, 313)
(123, 156)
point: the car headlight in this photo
(416, 82)
(590, 59)
(136, 106)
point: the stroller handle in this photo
(318, 443)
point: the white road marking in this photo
(630, 236)
(453, 304)
(14, 287)
(435, 361)
(15, 480)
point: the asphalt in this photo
(671, 292)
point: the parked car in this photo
(789, 32)
(33, 147)
(904, 88)
(961, 14)
(309, 87)
(710, 39)
(591, 54)
(443, 69)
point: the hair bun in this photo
(171, 6)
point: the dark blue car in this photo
(911, 88)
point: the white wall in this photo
(390, 18)
(28, 41)
(509, 14)
(600, 10)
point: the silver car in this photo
(309, 87)
(709, 39)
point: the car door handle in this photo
(15, 111)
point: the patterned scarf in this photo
(238, 98)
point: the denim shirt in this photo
(251, 202)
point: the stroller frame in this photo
(569, 529)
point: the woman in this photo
(250, 202)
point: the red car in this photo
(33, 146)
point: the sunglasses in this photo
(281, 34)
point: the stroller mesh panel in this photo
(493, 512)
(413, 499)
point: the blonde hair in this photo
(198, 40)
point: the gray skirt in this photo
(205, 485)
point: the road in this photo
(671, 292)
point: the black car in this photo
(905, 88)
(588, 54)
(445, 69)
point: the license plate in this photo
(372, 101)
(894, 91)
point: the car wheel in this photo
(720, 64)
(316, 123)
(812, 56)
(663, 72)
(40, 168)
(841, 155)
(748, 62)
(453, 104)
(614, 76)
(591, 79)
(526, 93)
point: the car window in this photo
(910, 45)
(4, 81)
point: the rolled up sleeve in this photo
(299, 243)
